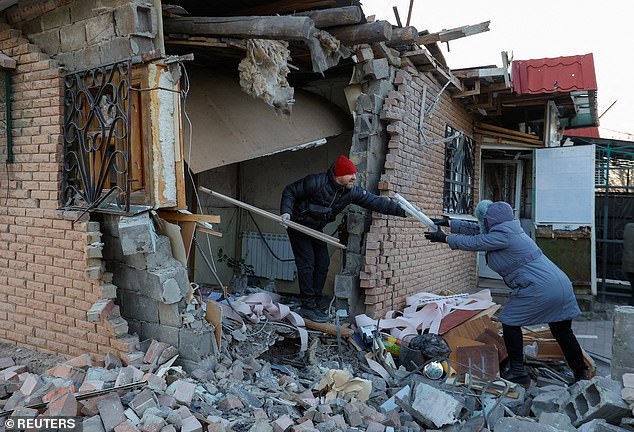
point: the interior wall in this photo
(260, 182)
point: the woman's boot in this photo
(514, 342)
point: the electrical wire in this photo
(265, 242)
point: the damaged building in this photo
(118, 112)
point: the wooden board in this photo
(213, 314)
(185, 217)
(329, 328)
(458, 341)
(491, 337)
(471, 329)
(456, 318)
(483, 360)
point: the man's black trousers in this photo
(312, 261)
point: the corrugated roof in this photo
(550, 75)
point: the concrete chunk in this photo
(435, 405)
(92, 424)
(183, 391)
(111, 412)
(518, 424)
(143, 401)
(597, 398)
(282, 424)
(622, 342)
(137, 234)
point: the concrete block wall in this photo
(398, 260)
(86, 33)
(47, 262)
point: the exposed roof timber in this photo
(265, 27)
(427, 62)
(480, 73)
(347, 15)
(455, 33)
(378, 31)
(286, 6)
(288, 28)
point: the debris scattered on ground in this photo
(261, 380)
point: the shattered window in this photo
(459, 172)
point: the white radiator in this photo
(255, 253)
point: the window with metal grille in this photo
(459, 172)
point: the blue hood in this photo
(497, 213)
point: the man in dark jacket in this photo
(315, 201)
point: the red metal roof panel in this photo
(559, 74)
(590, 132)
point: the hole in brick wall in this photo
(570, 411)
(582, 404)
(144, 16)
(593, 396)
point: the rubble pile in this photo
(261, 381)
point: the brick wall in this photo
(85, 33)
(45, 290)
(399, 261)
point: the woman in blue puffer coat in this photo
(541, 292)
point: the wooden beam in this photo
(480, 73)
(454, 33)
(422, 57)
(286, 6)
(403, 36)
(187, 217)
(261, 27)
(294, 225)
(506, 131)
(347, 15)
(378, 31)
(397, 16)
(475, 91)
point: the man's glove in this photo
(441, 222)
(285, 218)
(436, 236)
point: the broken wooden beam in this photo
(252, 27)
(378, 31)
(347, 15)
(403, 36)
(454, 33)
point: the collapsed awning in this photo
(230, 126)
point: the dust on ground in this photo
(35, 361)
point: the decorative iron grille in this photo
(459, 172)
(97, 139)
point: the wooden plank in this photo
(506, 131)
(491, 337)
(331, 329)
(454, 33)
(378, 31)
(471, 329)
(481, 361)
(455, 318)
(213, 315)
(186, 217)
(512, 137)
(209, 231)
(294, 225)
(480, 73)
(457, 341)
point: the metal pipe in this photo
(414, 211)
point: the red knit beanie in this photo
(344, 166)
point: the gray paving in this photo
(596, 338)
